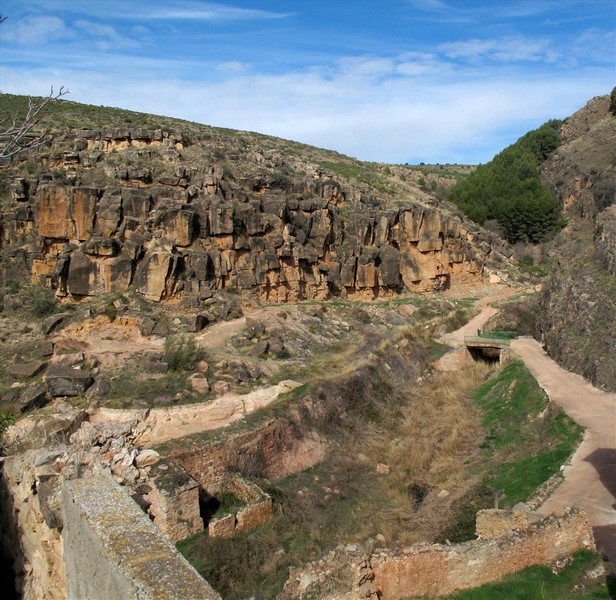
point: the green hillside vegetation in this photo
(509, 191)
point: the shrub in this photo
(6, 420)
(182, 352)
(613, 102)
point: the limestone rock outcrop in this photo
(153, 211)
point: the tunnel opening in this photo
(486, 355)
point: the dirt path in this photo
(164, 424)
(456, 338)
(590, 479)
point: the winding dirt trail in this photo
(590, 478)
(456, 338)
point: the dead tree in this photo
(20, 135)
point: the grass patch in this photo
(526, 441)
(316, 509)
(541, 582)
(132, 386)
(229, 504)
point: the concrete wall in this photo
(114, 552)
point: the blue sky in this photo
(383, 80)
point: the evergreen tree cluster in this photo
(508, 189)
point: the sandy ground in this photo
(164, 424)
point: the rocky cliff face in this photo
(582, 172)
(578, 304)
(178, 218)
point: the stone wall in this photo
(114, 552)
(437, 570)
(174, 501)
(275, 450)
(28, 533)
(257, 509)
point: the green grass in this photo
(127, 387)
(306, 520)
(541, 583)
(526, 441)
(529, 438)
(229, 504)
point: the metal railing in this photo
(505, 335)
(479, 340)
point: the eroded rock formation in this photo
(153, 211)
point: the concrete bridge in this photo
(485, 341)
(488, 348)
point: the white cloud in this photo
(437, 116)
(597, 45)
(36, 30)
(105, 37)
(232, 67)
(506, 49)
(206, 11)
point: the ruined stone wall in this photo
(29, 531)
(258, 509)
(274, 451)
(173, 500)
(437, 570)
(113, 551)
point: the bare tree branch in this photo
(19, 135)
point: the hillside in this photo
(577, 315)
(562, 172)
(222, 323)
(179, 211)
(508, 192)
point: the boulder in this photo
(65, 381)
(26, 370)
(383, 469)
(220, 388)
(74, 359)
(146, 458)
(33, 397)
(275, 345)
(255, 328)
(146, 326)
(99, 388)
(260, 348)
(199, 383)
(54, 322)
(195, 323)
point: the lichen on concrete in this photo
(112, 550)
